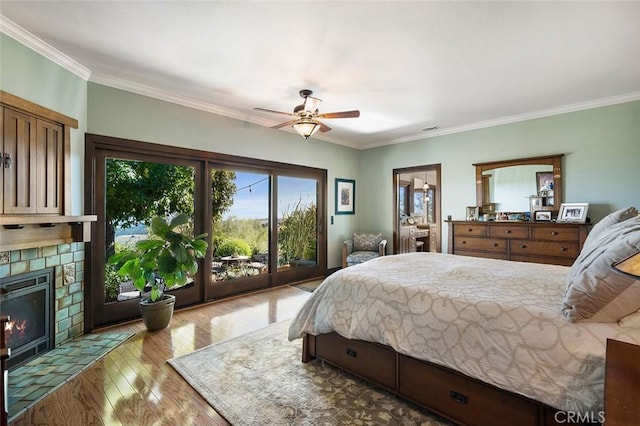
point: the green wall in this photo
(123, 114)
(601, 145)
(601, 148)
(29, 75)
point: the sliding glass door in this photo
(264, 221)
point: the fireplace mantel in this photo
(34, 230)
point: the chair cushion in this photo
(366, 242)
(595, 292)
(361, 256)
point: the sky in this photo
(252, 196)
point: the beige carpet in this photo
(258, 379)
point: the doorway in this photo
(417, 224)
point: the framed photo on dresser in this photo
(542, 216)
(573, 212)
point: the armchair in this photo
(362, 247)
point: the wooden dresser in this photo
(539, 242)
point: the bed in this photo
(479, 341)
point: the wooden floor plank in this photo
(134, 384)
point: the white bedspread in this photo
(497, 321)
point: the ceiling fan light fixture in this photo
(306, 128)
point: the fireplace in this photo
(28, 300)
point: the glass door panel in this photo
(135, 190)
(239, 231)
(297, 222)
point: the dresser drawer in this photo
(368, 360)
(485, 254)
(466, 400)
(484, 244)
(556, 233)
(470, 230)
(544, 248)
(508, 231)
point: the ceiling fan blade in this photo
(342, 114)
(275, 112)
(288, 123)
(323, 127)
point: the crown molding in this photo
(21, 35)
(597, 103)
(153, 92)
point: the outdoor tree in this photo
(136, 191)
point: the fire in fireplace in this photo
(28, 300)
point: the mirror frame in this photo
(552, 160)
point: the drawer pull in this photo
(469, 230)
(554, 233)
(523, 246)
(352, 353)
(464, 242)
(495, 244)
(508, 231)
(563, 249)
(458, 397)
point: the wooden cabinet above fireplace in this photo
(35, 203)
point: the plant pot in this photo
(157, 315)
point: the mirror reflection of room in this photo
(417, 212)
(509, 188)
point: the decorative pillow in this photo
(631, 320)
(597, 293)
(366, 242)
(608, 221)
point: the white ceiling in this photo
(406, 65)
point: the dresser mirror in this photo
(524, 184)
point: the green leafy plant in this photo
(165, 260)
(233, 247)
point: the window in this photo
(265, 221)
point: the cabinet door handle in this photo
(7, 160)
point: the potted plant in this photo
(161, 262)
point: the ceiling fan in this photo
(307, 116)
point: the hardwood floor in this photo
(134, 385)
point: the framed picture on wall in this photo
(573, 212)
(345, 196)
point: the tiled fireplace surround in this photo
(68, 263)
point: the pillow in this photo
(597, 293)
(366, 242)
(631, 320)
(608, 221)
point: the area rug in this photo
(258, 379)
(41, 376)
